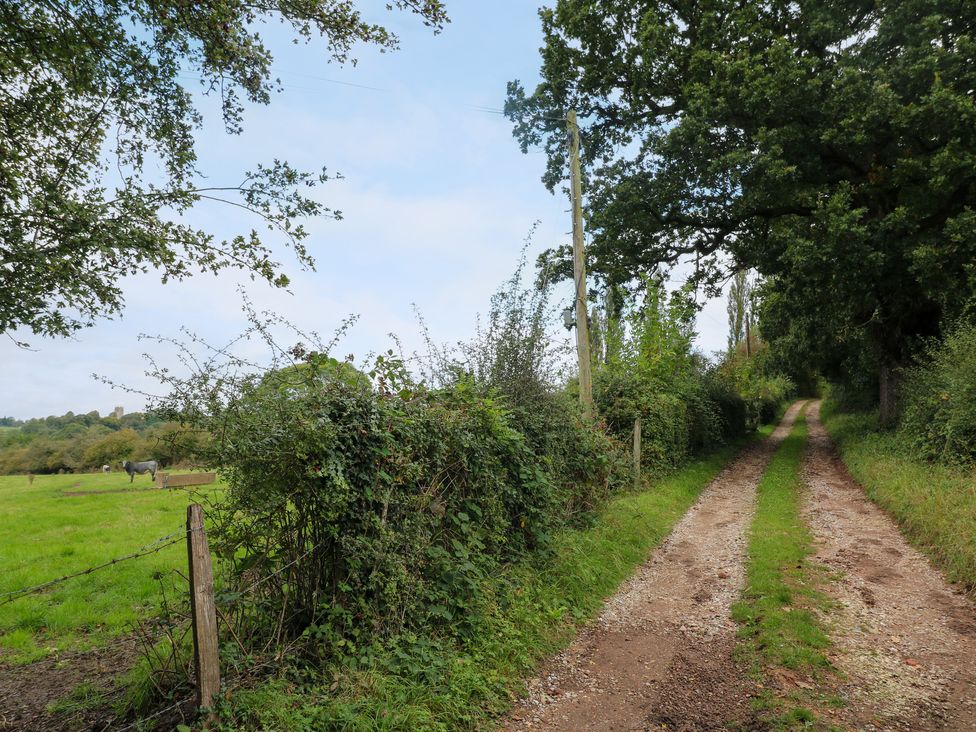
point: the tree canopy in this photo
(97, 153)
(831, 146)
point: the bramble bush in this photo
(938, 418)
(372, 509)
(366, 505)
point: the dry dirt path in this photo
(905, 641)
(660, 653)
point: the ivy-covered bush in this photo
(371, 509)
(939, 400)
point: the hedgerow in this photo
(379, 508)
(938, 419)
(651, 371)
(365, 504)
(368, 509)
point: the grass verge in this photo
(531, 610)
(935, 505)
(779, 627)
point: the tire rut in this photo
(905, 641)
(660, 652)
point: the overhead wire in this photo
(476, 107)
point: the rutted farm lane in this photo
(661, 650)
(660, 654)
(904, 639)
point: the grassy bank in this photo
(779, 628)
(532, 610)
(935, 505)
(45, 533)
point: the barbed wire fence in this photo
(160, 628)
(152, 548)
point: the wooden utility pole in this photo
(205, 654)
(579, 268)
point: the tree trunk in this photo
(888, 386)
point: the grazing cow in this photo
(105, 468)
(148, 466)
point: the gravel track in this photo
(905, 641)
(660, 653)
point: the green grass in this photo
(531, 611)
(779, 627)
(45, 534)
(935, 505)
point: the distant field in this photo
(46, 534)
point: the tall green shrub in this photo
(363, 510)
(516, 357)
(653, 373)
(939, 399)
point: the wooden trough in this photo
(165, 480)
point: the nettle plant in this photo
(360, 503)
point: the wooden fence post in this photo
(637, 452)
(206, 657)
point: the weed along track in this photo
(660, 653)
(905, 641)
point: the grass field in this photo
(46, 534)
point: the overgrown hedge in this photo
(379, 509)
(674, 423)
(938, 420)
(697, 413)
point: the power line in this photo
(333, 81)
(476, 107)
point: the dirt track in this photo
(904, 639)
(659, 657)
(660, 652)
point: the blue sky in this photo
(437, 200)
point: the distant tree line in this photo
(81, 442)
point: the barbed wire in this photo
(161, 632)
(151, 548)
(142, 720)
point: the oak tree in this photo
(829, 145)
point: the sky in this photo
(437, 201)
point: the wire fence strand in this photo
(143, 720)
(151, 548)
